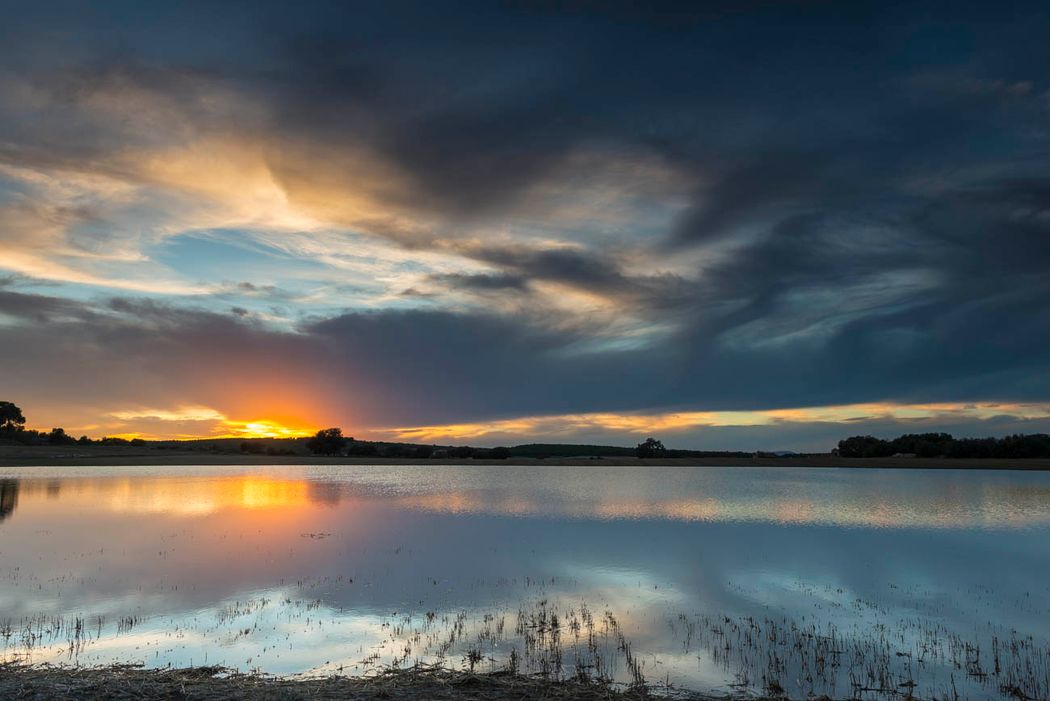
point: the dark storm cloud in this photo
(482, 283)
(40, 308)
(377, 358)
(867, 214)
(381, 357)
(588, 271)
(979, 254)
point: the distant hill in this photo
(568, 450)
(298, 446)
(350, 447)
(571, 450)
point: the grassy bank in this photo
(213, 683)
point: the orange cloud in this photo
(203, 422)
(639, 424)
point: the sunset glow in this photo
(181, 497)
(649, 424)
(262, 429)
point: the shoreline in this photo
(119, 682)
(119, 456)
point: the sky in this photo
(741, 225)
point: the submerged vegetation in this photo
(546, 649)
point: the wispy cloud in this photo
(634, 425)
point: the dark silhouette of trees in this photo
(11, 417)
(253, 447)
(113, 440)
(58, 436)
(923, 445)
(935, 445)
(362, 449)
(499, 453)
(396, 450)
(650, 448)
(327, 441)
(865, 447)
(12, 428)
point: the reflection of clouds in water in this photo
(866, 498)
(272, 630)
(861, 498)
(646, 544)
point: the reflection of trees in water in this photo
(8, 497)
(330, 493)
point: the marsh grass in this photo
(558, 641)
(783, 657)
(571, 649)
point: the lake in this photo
(748, 580)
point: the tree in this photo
(499, 453)
(11, 417)
(327, 441)
(865, 447)
(58, 436)
(924, 445)
(650, 448)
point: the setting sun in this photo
(263, 428)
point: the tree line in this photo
(13, 428)
(331, 442)
(937, 445)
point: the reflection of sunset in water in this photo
(875, 500)
(325, 566)
(172, 495)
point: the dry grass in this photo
(122, 682)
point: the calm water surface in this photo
(847, 582)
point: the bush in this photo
(327, 441)
(650, 448)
